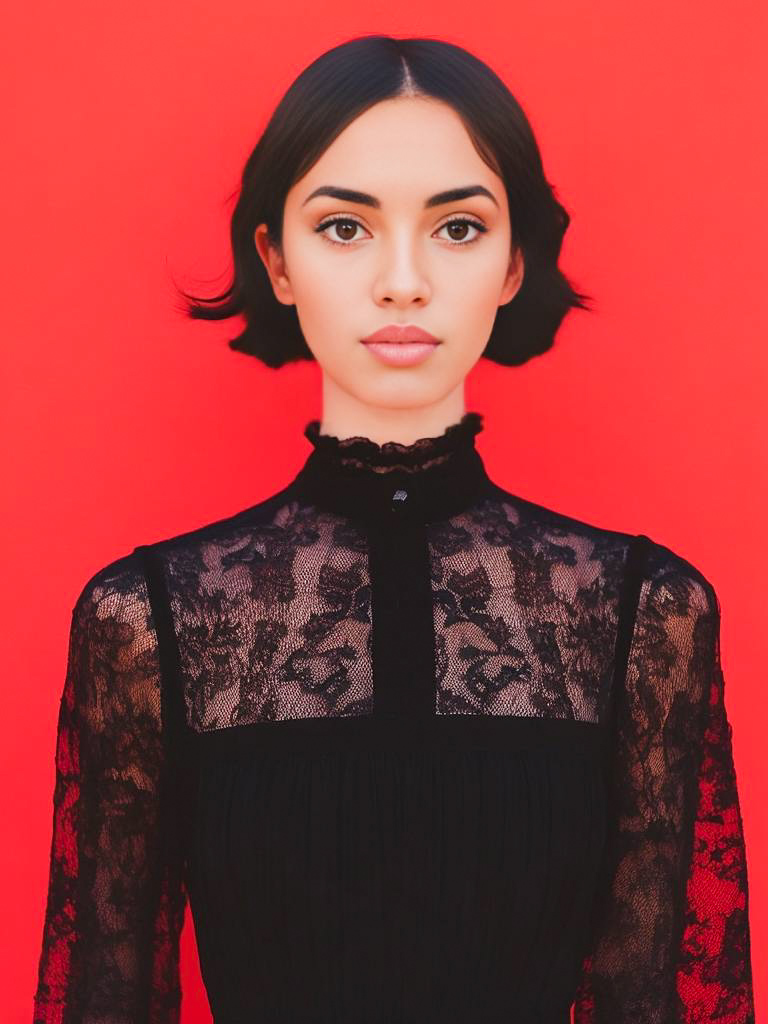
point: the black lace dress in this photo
(415, 749)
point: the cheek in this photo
(330, 320)
(324, 288)
(488, 272)
(472, 301)
(475, 278)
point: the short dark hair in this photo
(327, 96)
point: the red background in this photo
(126, 132)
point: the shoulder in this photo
(575, 545)
(121, 577)
(113, 677)
(671, 581)
(122, 581)
(112, 618)
(548, 524)
(675, 642)
(675, 587)
(228, 532)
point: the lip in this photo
(400, 334)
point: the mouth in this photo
(397, 334)
(401, 346)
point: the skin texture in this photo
(399, 264)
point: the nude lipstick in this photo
(400, 345)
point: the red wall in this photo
(126, 133)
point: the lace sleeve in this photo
(115, 902)
(670, 940)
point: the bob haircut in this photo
(327, 96)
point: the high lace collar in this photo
(433, 477)
(363, 454)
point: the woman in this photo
(416, 749)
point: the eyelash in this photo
(352, 220)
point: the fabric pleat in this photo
(395, 887)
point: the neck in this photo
(346, 416)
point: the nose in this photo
(402, 279)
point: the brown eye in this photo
(458, 227)
(345, 229)
(457, 230)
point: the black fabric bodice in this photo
(416, 749)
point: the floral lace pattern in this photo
(670, 935)
(115, 901)
(273, 621)
(525, 614)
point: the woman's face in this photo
(396, 258)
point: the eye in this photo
(332, 222)
(463, 222)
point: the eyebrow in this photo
(351, 195)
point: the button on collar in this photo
(431, 479)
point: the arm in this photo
(115, 902)
(670, 941)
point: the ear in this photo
(514, 279)
(274, 262)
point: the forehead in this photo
(408, 147)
